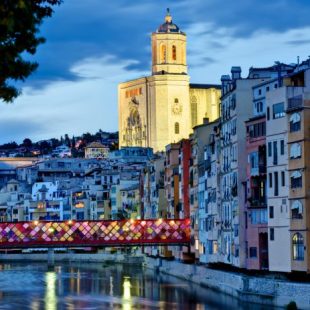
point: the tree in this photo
(19, 28)
(27, 143)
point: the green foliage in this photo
(19, 28)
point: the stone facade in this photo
(163, 108)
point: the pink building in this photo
(256, 217)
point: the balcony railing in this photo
(295, 103)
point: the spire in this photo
(168, 17)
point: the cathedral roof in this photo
(168, 26)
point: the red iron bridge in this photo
(49, 234)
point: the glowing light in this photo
(70, 222)
(50, 298)
(35, 222)
(51, 229)
(126, 294)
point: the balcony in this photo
(295, 103)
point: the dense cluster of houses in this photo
(243, 179)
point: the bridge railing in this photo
(93, 233)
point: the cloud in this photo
(82, 29)
(298, 42)
(12, 129)
(93, 45)
(86, 104)
(260, 49)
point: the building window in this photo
(176, 128)
(174, 52)
(267, 88)
(295, 122)
(194, 110)
(278, 110)
(298, 247)
(176, 100)
(296, 179)
(268, 113)
(269, 149)
(296, 209)
(275, 153)
(271, 212)
(259, 216)
(295, 151)
(282, 147)
(259, 107)
(253, 252)
(259, 91)
(270, 180)
(283, 178)
(163, 56)
(271, 234)
(276, 184)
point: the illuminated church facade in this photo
(163, 108)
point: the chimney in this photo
(235, 73)
(225, 80)
(206, 120)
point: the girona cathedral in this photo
(164, 107)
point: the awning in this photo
(295, 118)
(296, 175)
(297, 205)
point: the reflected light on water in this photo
(126, 294)
(50, 298)
(35, 305)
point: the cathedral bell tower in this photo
(168, 49)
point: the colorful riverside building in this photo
(229, 221)
(256, 219)
(297, 90)
(160, 109)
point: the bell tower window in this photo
(174, 52)
(163, 55)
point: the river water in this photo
(95, 286)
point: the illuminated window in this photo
(174, 52)
(79, 205)
(298, 247)
(176, 128)
(163, 57)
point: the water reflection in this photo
(50, 298)
(92, 286)
(126, 294)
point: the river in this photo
(95, 286)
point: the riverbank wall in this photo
(117, 258)
(260, 290)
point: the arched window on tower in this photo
(174, 52)
(194, 110)
(298, 247)
(163, 55)
(176, 128)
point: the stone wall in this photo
(251, 289)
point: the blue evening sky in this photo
(92, 45)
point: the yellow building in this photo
(96, 150)
(164, 107)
